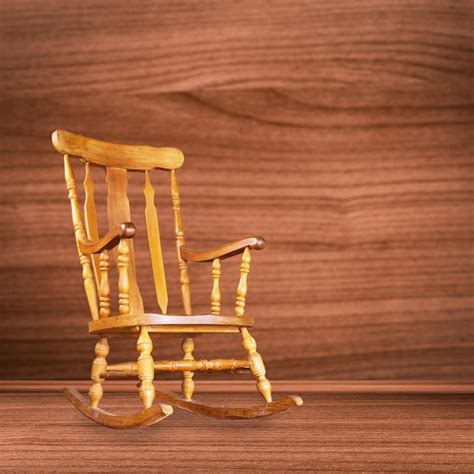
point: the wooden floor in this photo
(42, 432)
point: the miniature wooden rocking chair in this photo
(132, 319)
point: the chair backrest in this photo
(117, 160)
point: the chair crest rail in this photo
(135, 157)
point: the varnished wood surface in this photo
(330, 432)
(98, 152)
(341, 131)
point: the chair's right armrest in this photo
(125, 230)
(225, 251)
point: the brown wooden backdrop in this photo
(341, 131)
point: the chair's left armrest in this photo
(225, 251)
(125, 230)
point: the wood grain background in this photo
(341, 131)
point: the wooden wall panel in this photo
(341, 132)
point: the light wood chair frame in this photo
(132, 320)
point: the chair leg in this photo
(99, 367)
(146, 368)
(188, 383)
(257, 366)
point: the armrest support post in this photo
(216, 292)
(124, 283)
(104, 287)
(242, 288)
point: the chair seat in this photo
(171, 324)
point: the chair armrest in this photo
(225, 251)
(125, 230)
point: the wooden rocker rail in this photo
(142, 419)
(157, 413)
(235, 413)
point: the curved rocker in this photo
(137, 420)
(236, 413)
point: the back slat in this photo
(154, 243)
(118, 210)
(90, 216)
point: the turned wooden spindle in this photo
(90, 217)
(187, 343)
(104, 286)
(216, 291)
(99, 368)
(179, 233)
(257, 366)
(188, 383)
(124, 283)
(129, 369)
(242, 288)
(146, 368)
(80, 234)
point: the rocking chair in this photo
(132, 319)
